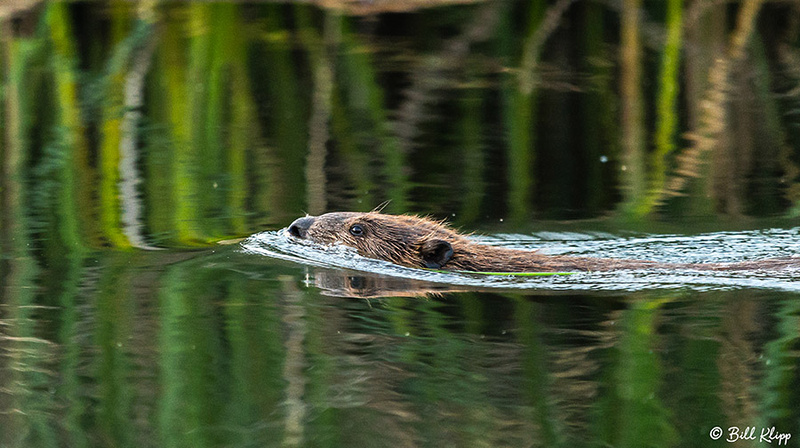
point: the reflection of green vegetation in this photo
(696, 390)
(111, 130)
(228, 105)
(666, 108)
(70, 388)
(519, 117)
(640, 418)
(537, 381)
(151, 350)
(114, 312)
(24, 355)
(190, 365)
(68, 162)
(255, 355)
(173, 101)
(644, 420)
(780, 382)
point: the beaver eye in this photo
(356, 230)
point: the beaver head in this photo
(405, 240)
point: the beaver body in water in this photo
(423, 243)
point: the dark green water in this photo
(222, 348)
(137, 137)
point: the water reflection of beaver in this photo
(419, 242)
(341, 283)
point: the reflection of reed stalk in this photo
(633, 167)
(295, 363)
(666, 108)
(713, 117)
(521, 103)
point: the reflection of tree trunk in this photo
(705, 34)
(734, 154)
(712, 119)
(129, 175)
(737, 362)
(633, 148)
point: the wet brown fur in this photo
(420, 242)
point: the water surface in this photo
(137, 136)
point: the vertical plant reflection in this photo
(297, 111)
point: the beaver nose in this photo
(300, 226)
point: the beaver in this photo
(420, 242)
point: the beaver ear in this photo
(435, 253)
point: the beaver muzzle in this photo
(299, 228)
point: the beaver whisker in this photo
(381, 206)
